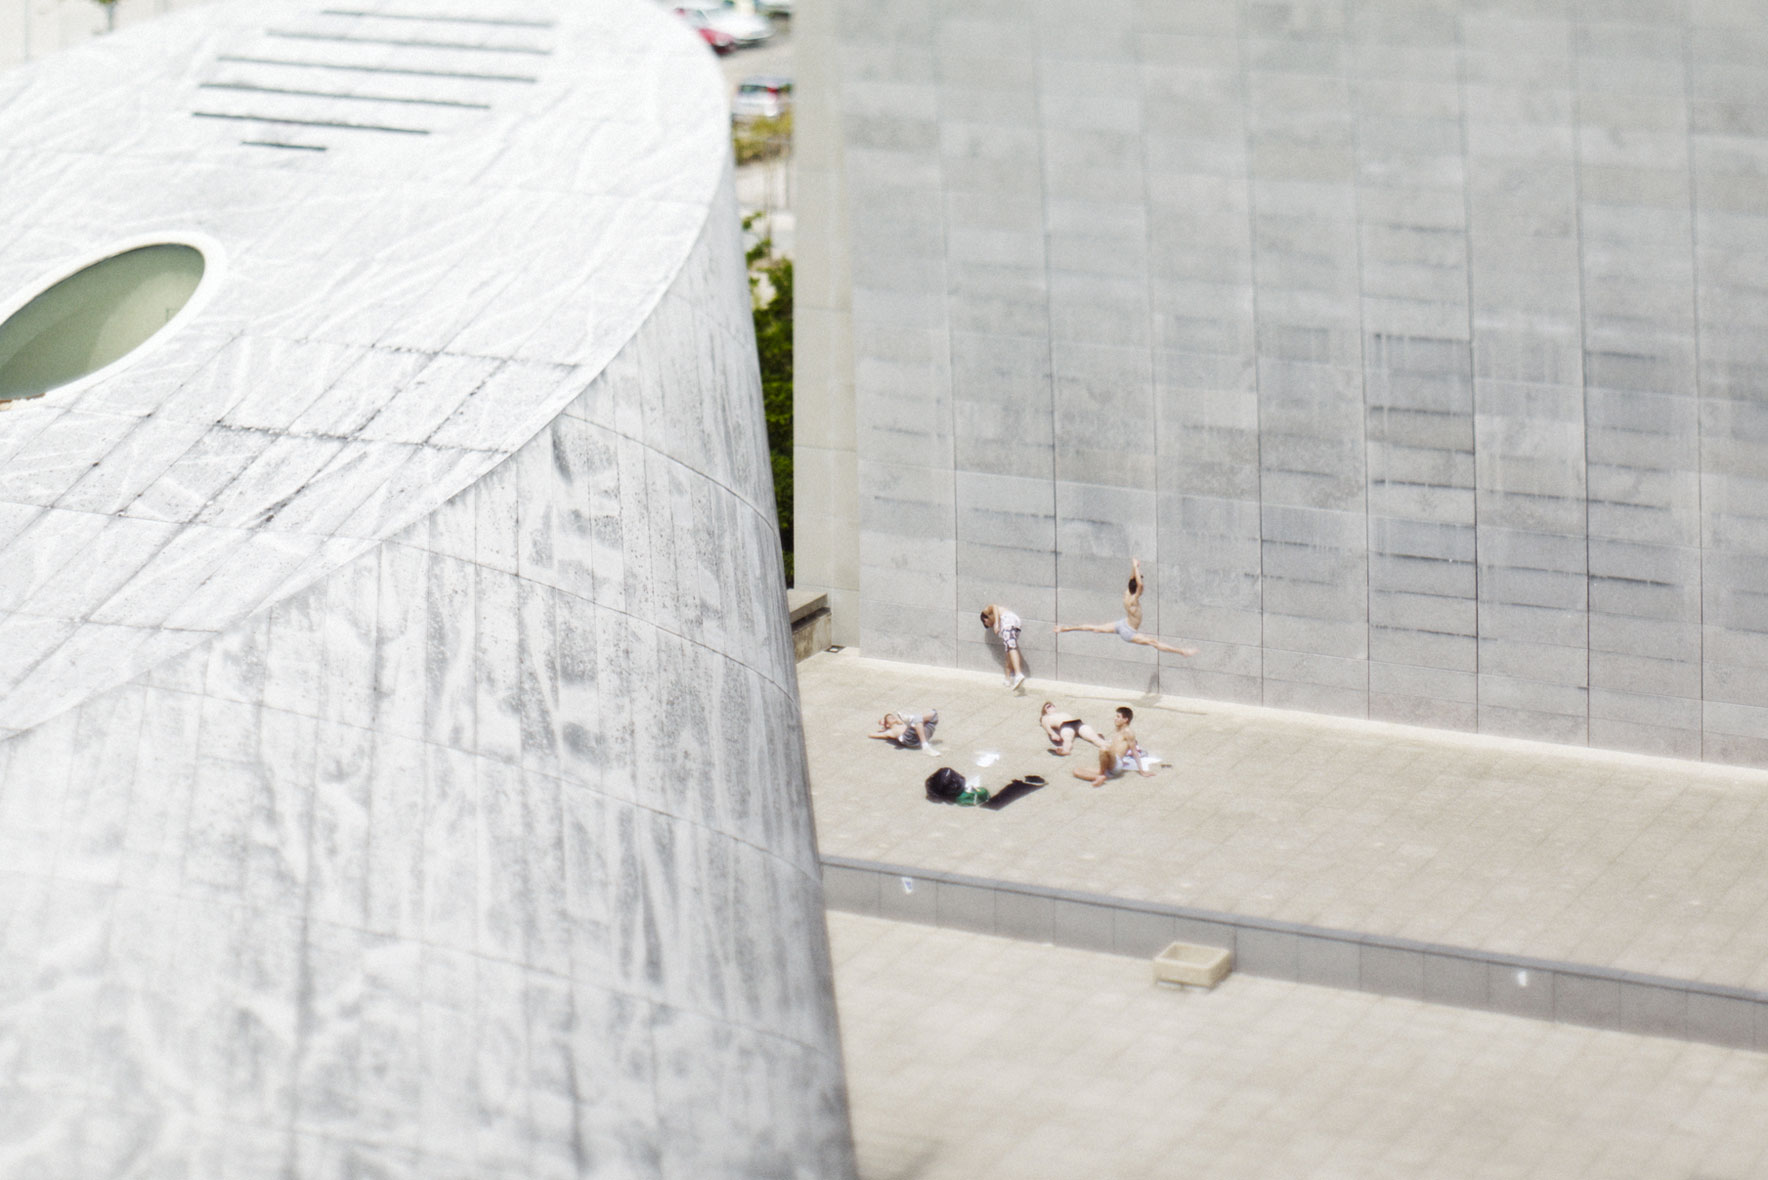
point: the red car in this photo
(720, 41)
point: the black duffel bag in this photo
(945, 785)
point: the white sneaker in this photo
(1015, 681)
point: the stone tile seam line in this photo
(199, 637)
(808, 867)
(786, 687)
(1589, 971)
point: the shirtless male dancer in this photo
(1063, 730)
(1129, 628)
(1119, 756)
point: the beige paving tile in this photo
(1644, 864)
(983, 1059)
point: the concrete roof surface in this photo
(1641, 864)
(424, 237)
(971, 1057)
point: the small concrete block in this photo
(1326, 962)
(1390, 971)
(1188, 963)
(1270, 953)
(909, 899)
(1081, 925)
(1721, 1020)
(853, 891)
(1460, 982)
(1139, 932)
(1519, 991)
(966, 907)
(1023, 915)
(1579, 999)
(1654, 1011)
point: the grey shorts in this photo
(910, 738)
(1125, 632)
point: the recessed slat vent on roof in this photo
(404, 43)
(355, 61)
(434, 102)
(362, 69)
(507, 22)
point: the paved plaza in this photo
(971, 1057)
(1623, 861)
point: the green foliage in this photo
(770, 285)
(753, 140)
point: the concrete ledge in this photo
(812, 624)
(1463, 977)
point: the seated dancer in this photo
(1129, 627)
(1122, 753)
(910, 731)
(1062, 730)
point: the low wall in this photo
(1465, 977)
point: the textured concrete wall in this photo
(825, 464)
(487, 855)
(1414, 345)
(400, 765)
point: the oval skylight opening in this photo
(95, 317)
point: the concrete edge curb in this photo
(1544, 989)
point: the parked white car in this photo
(745, 28)
(762, 96)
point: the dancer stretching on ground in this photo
(1129, 628)
(1122, 754)
(1062, 730)
(911, 731)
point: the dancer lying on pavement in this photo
(911, 731)
(1062, 730)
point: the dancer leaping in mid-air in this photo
(1129, 628)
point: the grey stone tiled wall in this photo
(1572, 993)
(488, 854)
(1414, 345)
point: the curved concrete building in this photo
(401, 772)
(1416, 347)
